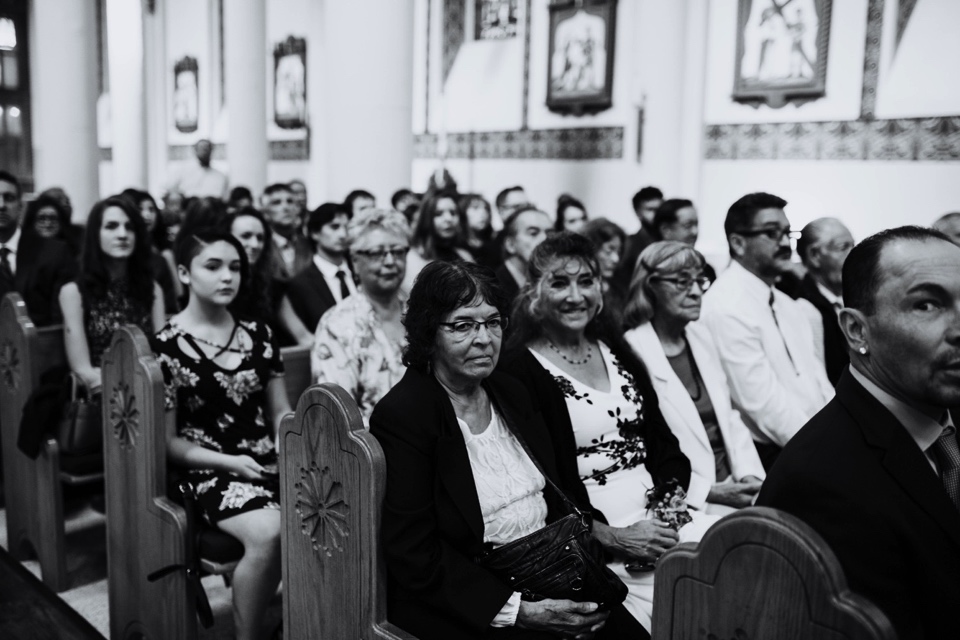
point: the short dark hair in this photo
(667, 213)
(354, 195)
(324, 214)
(240, 193)
(442, 287)
(399, 195)
(6, 176)
(646, 194)
(277, 186)
(510, 223)
(861, 270)
(741, 213)
(502, 196)
(564, 202)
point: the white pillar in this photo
(692, 104)
(127, 110)
(63, 80)
(368, 102)
(155, 90)
(245, 50)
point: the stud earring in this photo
(863, 351)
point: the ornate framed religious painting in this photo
(580, 60)
(186, 94)
(290, 83)
(781, 51)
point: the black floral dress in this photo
(104, 315)
(224, 410)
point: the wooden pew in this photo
(760, 573)
(332, 475)
(147, 531)
(33, 488)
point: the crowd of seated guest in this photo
(625, 360)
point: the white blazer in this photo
(682, 416)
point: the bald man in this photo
(949, 225)
(823, 246)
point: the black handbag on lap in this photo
(80, 430)
(561, 561)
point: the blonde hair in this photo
(659, 258)
(369, 220)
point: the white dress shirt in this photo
(12, 245)
(775, 377)
(199, 182)
(329, 272)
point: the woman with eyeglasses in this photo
(459, 482)
(600, 405)
(358, 342)
(661, 319)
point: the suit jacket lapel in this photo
(321, 288)
(902, 458)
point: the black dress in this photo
(104, 315)
(224, 410)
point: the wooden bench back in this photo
(332, 475)
(760, 573)
(32, 487)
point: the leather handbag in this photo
(561, 561)
(80, 431)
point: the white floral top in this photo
(351, 349)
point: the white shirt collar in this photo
(831, 297)
(13, 243)
(329, 270)
(750, 282)
(923, 429)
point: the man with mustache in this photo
(765, 338)
(877, 472)
(32, 266)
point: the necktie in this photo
(6, 269)
(949, 454)
(344, 290)
(776, 322)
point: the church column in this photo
(155, 90)
(63, 70)
(127, 105)
(245, 51)
(368, 102)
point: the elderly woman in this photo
(458, 480)
(597, 398)
(357, 342)
(661, 317)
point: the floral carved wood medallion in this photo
(9, 365)
(323, 511)
(124, 416)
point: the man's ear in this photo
(855, 329)
(814, 258)
(737, 244)
(510, 245)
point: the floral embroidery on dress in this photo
(259, 420)
(225, 422)
(238, 494)
(195, 402)
(626, 452)
(197, 436)
(205, 486)
(260, 447)
(239, 385)
(267, 350)
(568, 391)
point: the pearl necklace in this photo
(573, 362)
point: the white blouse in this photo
(509, 485)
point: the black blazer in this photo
(856, 476)
(43, 266)
(310, 296)
(834, 344)
(664, 460)
(432, 527)
(507, 282)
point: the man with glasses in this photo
(764, 337)
(34, 267)
(823, 246)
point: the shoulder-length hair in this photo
(464, 203)
(424, 234)
(94, 277)
(63, 215)
(657, 259)
(256, 299)
(527, 315)
(564, 202)
(440, 288)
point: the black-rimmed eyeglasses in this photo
(773, 233)
(463, 329)
(683, 284)
(379, 255)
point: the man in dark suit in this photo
(645, 205)
(281, 209)
(523, 231)
(34, 267)
(328, 279)
(877, 471)
(823, 246)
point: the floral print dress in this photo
(224, 410)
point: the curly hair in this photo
(443, 287)
(94, 278)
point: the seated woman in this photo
(161, 259)
(115, 287)
(358, 341)
(598, 400)
(47, 218)
(438, 234)
(224, 380)
(480, 240)
(661, 313)
(458, 480)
